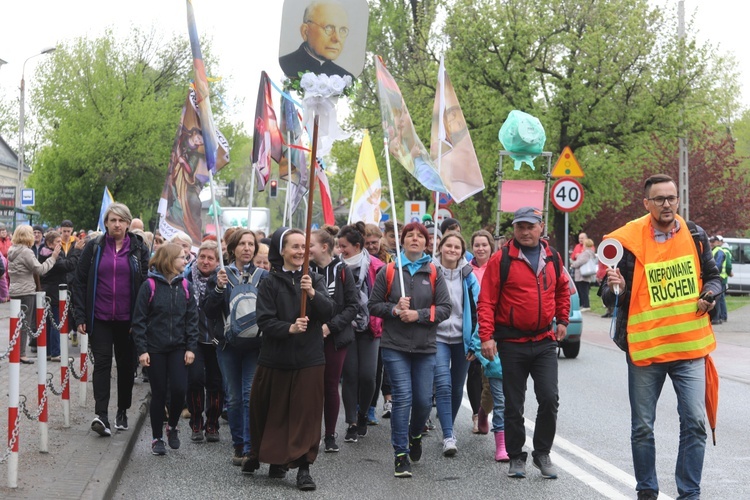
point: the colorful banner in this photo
(294, 155)
(107, 200)
(367, 186)
(180, 204)
(458, 165)
(325, 194)
(202, 97)
(266, 134)
(403, 142)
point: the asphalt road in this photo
(592, 451)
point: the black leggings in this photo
(106, 335)
(166, 368)
(205, 391)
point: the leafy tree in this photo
(108, 110)
(9, 119)
(716, 180)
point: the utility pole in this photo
(683, 181)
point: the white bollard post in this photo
(63, 303)
(14, 390)
(83, 343)
(41, 372)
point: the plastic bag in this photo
(523, 136)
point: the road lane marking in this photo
(598, 463)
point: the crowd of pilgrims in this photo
(361, 339)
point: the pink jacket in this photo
(376, 324)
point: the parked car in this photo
(571, 344)
(740, 281)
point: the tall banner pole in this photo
(216, 218)
(252, 196)
(395, 218)
(437, 200)
(288, 174)
(308, 226)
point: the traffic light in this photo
(274, 187)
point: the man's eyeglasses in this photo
(330, 29)
(659, 200)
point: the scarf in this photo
(199, 282)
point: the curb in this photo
(104, 480)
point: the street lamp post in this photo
(21, 126)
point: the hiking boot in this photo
(387, 408)
(545, 465)
(403, 467)
(249, 465)
(237, 455)
(330, 444)
(483, 424)
(121, 420)
(351, 434)
(517, 468)
(371, 418)
(277, 471)
(157, 447)
(196, 436)
(100, 425)
(449, 447)
(415, 448)
(212, 436)
(361, 424)
(304, 480)
(173, 438)
(648, 495)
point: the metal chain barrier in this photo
(42, 403)
(42, 323)
(72, 370)
(51, 386)
(14, 340)
(13, 439)
(63, 317)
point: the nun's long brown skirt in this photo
(286, 409)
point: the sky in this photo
(245, 35)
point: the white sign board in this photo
(414, 210)
(27, 197)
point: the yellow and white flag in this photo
(367, 187)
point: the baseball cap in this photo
(717, 237)
(528, 214)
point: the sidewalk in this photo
(732, 342)
(80, 463)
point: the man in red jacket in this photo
(515, 321)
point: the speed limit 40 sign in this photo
(567, 194)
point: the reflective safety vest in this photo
(725, 262)
(662, 321)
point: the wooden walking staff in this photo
(308, 227)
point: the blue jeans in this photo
(53, 334)
(644, 385)
(498, 404)
(411, 383)
(721, 302)
(237, 370)
(451, 367)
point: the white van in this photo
(740, 282)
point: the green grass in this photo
(733, 302)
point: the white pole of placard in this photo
(609, 252)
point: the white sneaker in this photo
(449, 447)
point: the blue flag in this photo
(107, 200)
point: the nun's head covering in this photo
(274, 249)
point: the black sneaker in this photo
(157, 447)
(173, 438)
(237, 455)
(351, 434)
(277, 471)
(196, 436)
(212, 436)
(415, 448)
(100, 425)
(304, 480)
(403, 467)
(121, 420)
(249, 465)
(648, 495)
(330, 444)
(361, 424)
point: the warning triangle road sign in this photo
(567, 165)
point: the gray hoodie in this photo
(450, 331)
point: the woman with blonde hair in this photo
(22, 267)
